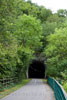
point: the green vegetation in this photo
(28, 31)
(10, 90)
(56, 52)
(44, 80)
(65, 86)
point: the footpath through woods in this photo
(36, 89)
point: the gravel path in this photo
(34, 90)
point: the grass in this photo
(44, 80)
(10, 90)
(65, 86)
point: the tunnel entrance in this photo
(36, 69)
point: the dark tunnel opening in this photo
(36, 69)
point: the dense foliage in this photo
(28, 30)
(56, 52)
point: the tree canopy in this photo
(26, 30)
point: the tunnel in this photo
(36, 69)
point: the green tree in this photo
(62, 12)
(56, 52)
(28, 32)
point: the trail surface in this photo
(34, 90)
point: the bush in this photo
(1, 87)
(65, 86)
